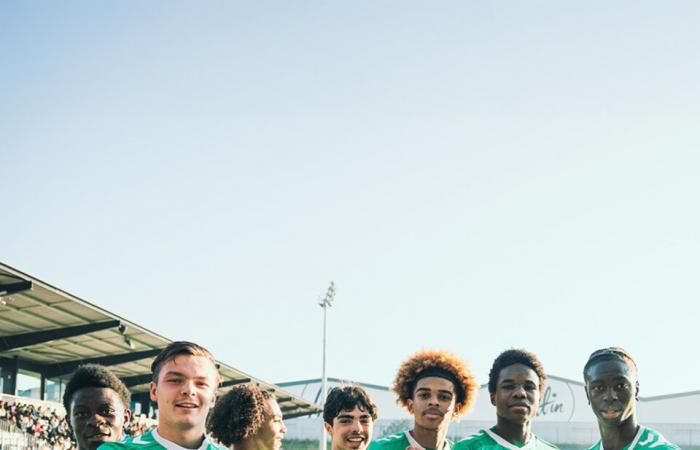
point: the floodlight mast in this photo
(325, 303)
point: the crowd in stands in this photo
(51, 427)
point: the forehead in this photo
(272, 407)
(608, 369)
(356, 412)
(95, 395)
(435, 384)
(518, 372)
(189, 366)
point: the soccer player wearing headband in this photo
(435, 387)
(516, 381)
(612, 388)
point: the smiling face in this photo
(97, 415)
(433, 403)
(612, 388)
(273, 430)
(185, 392)
(351, 430)
(517, 395)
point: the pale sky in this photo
(473, 176)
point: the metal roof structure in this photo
(54, 332)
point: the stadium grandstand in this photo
(47, 333)
(564, 416)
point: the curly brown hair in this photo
(466, 386)
(238, 414)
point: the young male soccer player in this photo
(246, 418)
(435, 387)
(348, 416)
(185, 379)
(612, 388)
(516, 381)
(97, 406)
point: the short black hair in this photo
(346, 398)
(609, 354)
(516, 356)
(95, 376)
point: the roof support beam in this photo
(14, 341)
(136, 380)
(14, 288)
(234, 382)
(67, 367)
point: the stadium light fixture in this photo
(325, 303)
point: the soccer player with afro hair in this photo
(97, 406)
(435, 387)
(516, 382)
(247, 418)
(612, 388)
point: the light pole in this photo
(325, 303)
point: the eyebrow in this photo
(430, 390)
(175, 373)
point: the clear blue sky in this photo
(472, 175)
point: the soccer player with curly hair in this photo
(185, 379)
(97, 406)
(516, 382)
(247, 418)
(612, 388)
(435, 387)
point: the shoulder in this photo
(653, 439)
(391, 441)
(214, 446)
(544, 445)
(143, 442)
(595, 446)
(476, 440)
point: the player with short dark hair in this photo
(247, 418)
(516, 382)
(97, 406)
(185, 380)
(348, 416)
(435, 387)
(612, 388)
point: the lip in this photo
(433, 413)
(520, 405)
(610, 413)
(187, 405)
(98, 436)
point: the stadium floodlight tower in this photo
(325, 303)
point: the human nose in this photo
(520, 392)
(96, 420)
(283, 429)
(610, 394)
(188, 388)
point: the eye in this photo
(445, 397)
(424, 395)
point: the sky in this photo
(473, 176)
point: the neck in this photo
(513, 432)
(429, 438)
(616, 438)
(250, 444)
(190, 438)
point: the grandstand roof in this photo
(55, 331)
